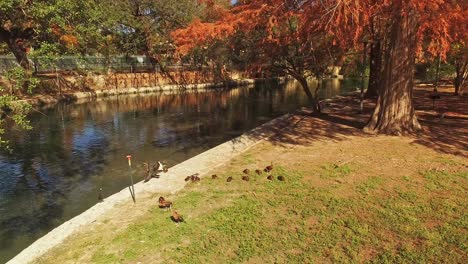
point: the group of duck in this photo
(177, 218)
(245, 176)
(165, 204)
(152, 171)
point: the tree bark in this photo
(375, 69)
(19, 52)
(461, 77)
(16, 45)
(394, 112)
(312, 99)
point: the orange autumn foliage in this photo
(347, 21)
(199, 32)
(55, 29)
(65, 35)
(69, 40)
(439, 22)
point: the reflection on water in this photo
(55, 170)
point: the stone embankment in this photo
(41, 100)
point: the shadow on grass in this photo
(341, 118)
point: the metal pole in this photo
(132, 187)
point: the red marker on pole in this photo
(132, 189)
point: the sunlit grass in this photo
(329, 171)
(265, 221)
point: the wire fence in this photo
(89, 63)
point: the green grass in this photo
(292, 222)
(331, 171)
(369, 184)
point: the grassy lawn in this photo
(355, 200)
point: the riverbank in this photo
(44, 100)
(335, 204)
(170, 182)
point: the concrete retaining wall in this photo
(47, 100)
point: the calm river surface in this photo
(53, 172)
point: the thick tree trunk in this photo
(16, 46)
(20, 53)
(394, 112)
(375, 69)
(312, 99)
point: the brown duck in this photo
(259, 172)
(194, 177)
(246, 171)
(245, 178)
(270, 177)
(214, 176)
(176, 217)
(163, 203)
(229, 179)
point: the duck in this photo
(148, 172)
(155, 170)
(269, 167)
(148, 177)
(229, 179)
(259, 172)
(245, 178)
(163, 203)
(194, 177)
(280, 178)
(187, 178)
(156, 167)
(163, 167)
(270, 177)
(214, 176)
(176, 217)
(246, 171)
(146, 164)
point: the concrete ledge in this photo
(171, 182)
(43, 100)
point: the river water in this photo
(54, 171)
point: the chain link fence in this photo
(87, 63)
